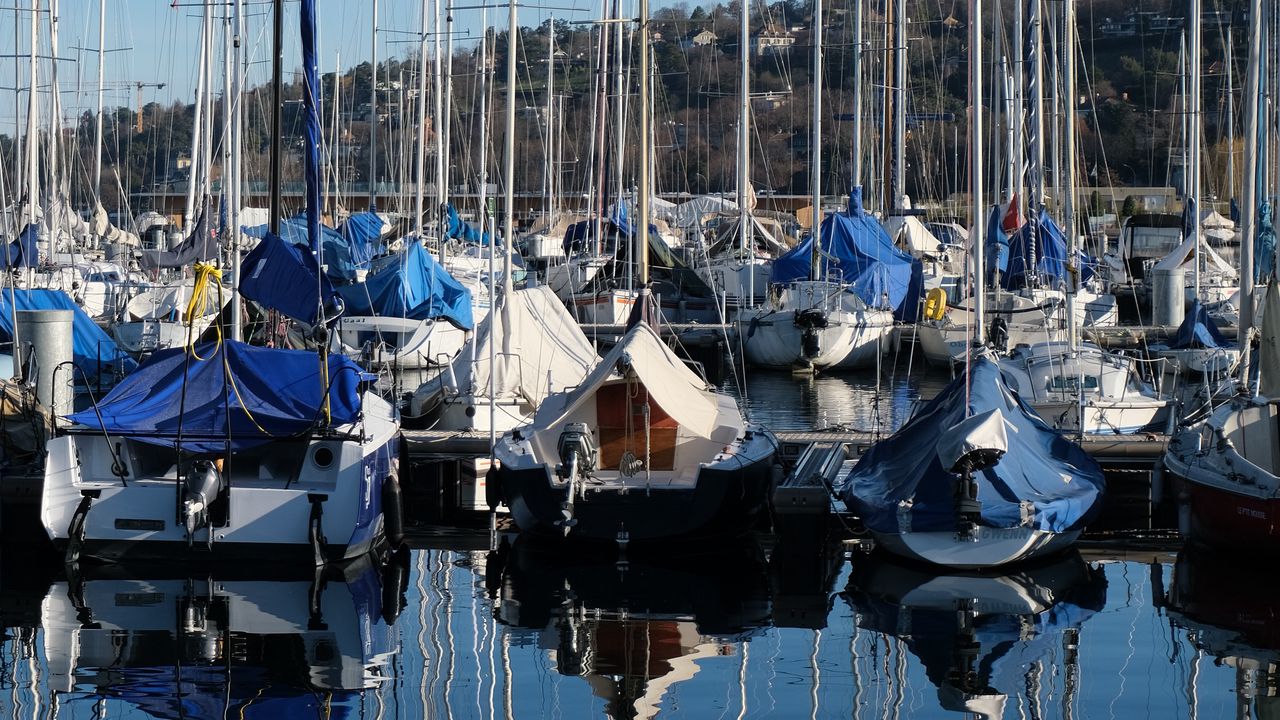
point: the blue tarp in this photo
(997, 248)
(93, 351)
(857, 250)
(410, 285)
(1064, 484)
(340, 258)
(363, 233)
(1198, 331)
(23, 251)
(1050, 245)
(311, 133)
(285, 277)
(258, 389)
(458, 229)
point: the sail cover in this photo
(1198, 331)
(93, 351)
(263, 393)
(537, 346)
(363, 233)
(410, 285)
(24, 250)
(1062, 483)
(339, 256)
(198, 246)
(855, 248)
(285, 277)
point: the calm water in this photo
(529, 634)
(760, 630)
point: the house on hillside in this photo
(767, 42)
(698, 38)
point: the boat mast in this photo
(744, 150)
(438, 121)
(197, 129)
(1193, 126)
(373, 114)
(237, 328)
(509, 169)
(646, 149)
(857, 95)
(97, 131)
(976, 201)
(1036, 41)
(1231, 122)
(896, 201)
(1249, 199)
(420, 154)
(446, 118)
(33, 110)
(550, 144)
(815, 143)
(1069, 175)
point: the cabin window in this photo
(1071, 383)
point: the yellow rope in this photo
(199, 301)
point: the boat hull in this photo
(1218, 516)
(988, 547)
(721, 502)
(774, 340)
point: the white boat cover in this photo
(103, 228)
(672, 385)
(911, 235)
(538, 346)
(1269, 354)
(1185, 253)
(689, 214)
(1214, 220)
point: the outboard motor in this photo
(577, 460)
(810, 322)
(202, 486)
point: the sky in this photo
(157, 41)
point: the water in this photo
(531, 634)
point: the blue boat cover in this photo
(410, 285)
(340, 258)
(93, 351)
(265, 393)
(363, 233)
(461, 230)
(856, 249)
(1198, 331)
(285, 277)
(311, 126)
(1050, 244)
(1063, 484)
(997, 248)
(24, 250)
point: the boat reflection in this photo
(632, 629)
(1228, 613)
(782, 401)
(220, 646)
(982, 639)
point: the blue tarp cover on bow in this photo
(1198, 331)
(1050, 255)
(340, 257)
(363, 233)
(92, 350)
(24, 250)
(1064, 484)
(997, 242)
(258, 389)
(410, 285)
(857, 250)
(459, 229)
(285, 277)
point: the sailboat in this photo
(1199, 350)
(1227, 467)
(975, 479)
(643, 450)
(227, 450)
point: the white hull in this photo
(1213, 362)
(375, 341)
(987, 548)
(144, 336)
(849, 340)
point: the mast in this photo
(857, 95)
(1034, 32)
(277, 57)
(551, 112)
(1249, 199)
(446, 118)
(373, 115)
(1193, 120)
(646, 149)
(896, 200)
(97, 132)
(1069, 172)
(33, 110)
(237, 328)
(420, 153)
(509, 170)
(976, 201)
(1018, 80)
(744, 148)
(815, 143)
(197, 129)
(1231, 122)
(438, 122)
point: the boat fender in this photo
(395, 582)
(392, 510)
(1157, 483)
(492, 487)
(935, 304)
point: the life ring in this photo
(935, 304)
(392, 511)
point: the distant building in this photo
(768, 42)
(1127, 27)
(698, 38)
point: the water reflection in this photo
(983, 640)
(857, 400)
(1231, 617)
(634, 628)
(213, 646)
